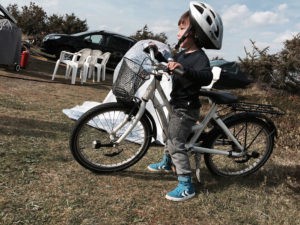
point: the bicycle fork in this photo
(135, 120)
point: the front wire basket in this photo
(131, 77)
(258, 108)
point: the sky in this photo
(268, 23)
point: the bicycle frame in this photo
(240, 132)
(197, 128)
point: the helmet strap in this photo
(183, 37)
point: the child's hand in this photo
(174, 65)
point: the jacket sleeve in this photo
(203, 76)
(198, 69)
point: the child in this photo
(199, 27)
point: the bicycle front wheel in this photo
(254, 134)
(92, 142)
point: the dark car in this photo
(106, 41)
(231, 75)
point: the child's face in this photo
(181, 30)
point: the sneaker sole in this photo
(180, 199)
(159, 171)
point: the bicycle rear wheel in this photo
(254, 134)
(92, 144)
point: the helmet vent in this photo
(217, 32)
(199, 8)
(203, 5)
(209, 20)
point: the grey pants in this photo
(180, 126)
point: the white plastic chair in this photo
(64, 58)
(89, 64)
(72, 65)
(101, 67)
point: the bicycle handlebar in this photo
(175, 71)
(152, 49)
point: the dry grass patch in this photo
(42, 184)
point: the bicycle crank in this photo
(246, 158)
(96, 144)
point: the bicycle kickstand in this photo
(197, 157)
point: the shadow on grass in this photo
(40, 69)
(31, 127)
(275, 176)
(45, 78)
(141, 175)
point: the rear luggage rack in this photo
(258, 108)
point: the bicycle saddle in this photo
(219, 97)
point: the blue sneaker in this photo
(163, 166)
(184, 190)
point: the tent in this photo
(10, 40)
(137, 54)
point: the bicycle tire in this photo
(91, 144)
(254, 134)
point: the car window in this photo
(94, 38)
(118, 43)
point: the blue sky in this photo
(268, 23)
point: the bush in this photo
(280, 70)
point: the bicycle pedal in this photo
(173, 169)
(198, 176)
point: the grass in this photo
(41, 183)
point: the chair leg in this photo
(103, 70)
(55, 69)
(90, 72)
(68, 71)
(74, 73)
(98, 73)
(84, 73)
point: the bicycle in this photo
(114, 136)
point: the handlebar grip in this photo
(177, 71)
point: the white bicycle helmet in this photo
(207, 24)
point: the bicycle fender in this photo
(238, 116)
(147, 115)
(151, 121)
(261, 116)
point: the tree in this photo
(32, 19)
(258, 63)
(280, 70)
(73, 24)
(54, 24)
(144, 33)
(287, 69)
(14, 11)
(34, 22)
(67, 24)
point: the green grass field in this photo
(41, 183)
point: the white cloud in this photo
(240, 15)
(163, 26)
(235, 13)
(282, 7)
(282, 37)
(267, 17)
